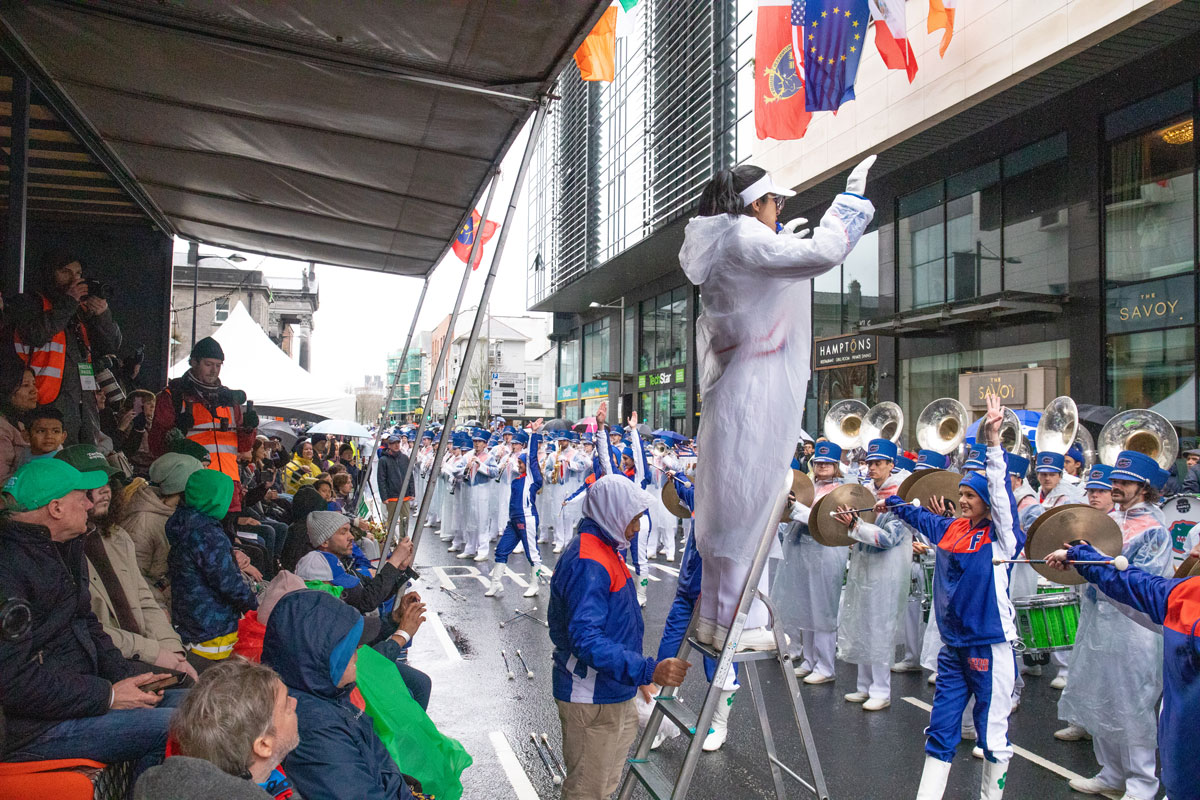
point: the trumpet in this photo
(843, 423)
(942, 426)
(1142, 431)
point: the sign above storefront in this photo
(594, 389)
(566, 394)
(842, 351)
(657, 379)
(1153, 304)
(1008, 386)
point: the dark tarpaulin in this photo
(357, 133)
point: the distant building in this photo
(414, 379)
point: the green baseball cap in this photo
(39, 482)
(86, 458)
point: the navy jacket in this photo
(208, 595)
(339, 753)
(391, 475)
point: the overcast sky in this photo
(365, 315)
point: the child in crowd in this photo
(46, 432)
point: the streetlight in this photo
(620, 354)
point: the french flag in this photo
(891, 36)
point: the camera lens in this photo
(15, 619)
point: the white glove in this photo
(792, 226)
(857, 183)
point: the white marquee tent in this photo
(268, 376)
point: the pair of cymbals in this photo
(1190, 568)
(670, 498)
(928, 484)
(1064, 524)
(824, 528)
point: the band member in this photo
(975, 616)
(632, 465)
(807, 588)
(753, 343)
(1116, 672)
(876, 586)
(478, 474)
(1173, 604)
(522, 519)
(1073, 465)
(915, 609)
(454, 514)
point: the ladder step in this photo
(653, 778)
(679, 713)
(744, 655)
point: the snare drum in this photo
(1047, 622)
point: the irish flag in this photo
(891, 36)
(941, 17)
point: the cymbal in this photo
(670, 498)
(828, 531)
(932, 483)
(1066, 524)
(802, 487)
(1190, 568)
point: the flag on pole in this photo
(797, 33)
(891, 36)
(597, 56)
(466, 237)
(778, 88)
(834, 35)
(941, 17)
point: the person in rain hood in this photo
(753, 343)
(311, 642)
(596, 627)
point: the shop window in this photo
(630, 339)
(922, 248)
(860, 282)
(1156, 370)
(1035, 218)
(973, 233)
(568, 362)
(647, 356)
(595, 348)
(679, 326)
(662, 331)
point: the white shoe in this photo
(905, 666)
(803, 671)
(933, 779)
(877, 704)
(465, 554)
(558, 548)
(641, 584)
(482, 556)
(931, 680)
(857, 697)
(1072, 733)
(991, 785)
(453, 548)
(669, 557)
(756, 639)
(1092, 786)
(536, 573)
(817, 678)
(720, 723)
(1035, 670)
(651, 556)
(977, 751)
(495, 587)
(1058, 683)
(445, 537)
(704, 630)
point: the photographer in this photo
(57, 330)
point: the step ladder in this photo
(649, 768)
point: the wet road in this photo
(864, 755)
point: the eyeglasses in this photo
(779, 202)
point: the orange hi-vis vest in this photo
(220, 440)
(49, 360)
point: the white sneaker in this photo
(818, 678)
(1058, 683)
(704, 631)
(445, 537)
(756, 639)
(453, 548)
(932, 679)
(857, 697)
(905, 666)
(558, 548)
(1092, 786)
(877, 704)
(803, 671)
(651, 556)
(1072, 733)
(465, 554)
(669, 557)
(1035, 670)
(977, 751)
(482, 556)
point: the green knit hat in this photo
(210, 492)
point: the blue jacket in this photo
(208, 595)
(1173, 603)
(690, 567)
(339, 754)
(970, 593)
(525, 488)
(595, 623)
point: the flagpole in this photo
(464, 373)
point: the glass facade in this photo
(595, 348)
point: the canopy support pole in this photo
(18, 187)
(387, 402)
(464, 370)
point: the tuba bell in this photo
(1087, 444)
(942, 426)
(1012, 439)
(659, 449)
(1058, 427)
(844, 422)
(1142, 431)
(884, 421)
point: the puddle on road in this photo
(460, 641)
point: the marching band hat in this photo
(881, 450)
(904, 463)
(521, 437)
(1134, 466)
(977, 483)
(616, 430)
(827, 453)
(1017, 465)
(510, 429)
(1076, 452)
(1053, 462)
(627, 451)
(1098, 477)
(976, 457)
(479, 435)
(928, 459)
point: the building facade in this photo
(414, 379)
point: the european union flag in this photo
(834, 34)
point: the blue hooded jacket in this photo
(208, 595)
(339, 753)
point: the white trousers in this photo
(914, 631)
(1122, 764)
(875, 680)
(721, 588)
(820, 647)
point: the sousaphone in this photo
(1058, 427)
(884, 421)
(1142, 431)
(843, 423)
(942, 426)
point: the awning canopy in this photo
(354, 133)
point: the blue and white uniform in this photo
(522, 510)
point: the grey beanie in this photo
(322, 525)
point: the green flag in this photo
(413, 741)
(628, 5)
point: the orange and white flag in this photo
(941, 17)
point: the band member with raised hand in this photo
(975, 617)
(522, 519)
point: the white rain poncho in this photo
(877, 585)
(753, 347)
(1116, 664)
(612, 502)
(1023, 580)
(807, 586)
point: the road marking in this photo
(434, 620)
(666, 569)
(446, 576)
(1044, 763)
(512, 767)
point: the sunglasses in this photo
(779, 203)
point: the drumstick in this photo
(1121, 563)
(507, 668)
(915, 503)
(682, 482)
(554, 776)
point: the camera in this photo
(107, 381)
(99, 289)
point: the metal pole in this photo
(505, 229)
(621, 356)
(387, 403)
(443, 353)
(18, 187)
(195, 297)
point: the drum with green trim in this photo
(1047, 622)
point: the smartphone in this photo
(139, 404)
(162, 683)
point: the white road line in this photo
(1025, 754)
(434, 620)
(512, 767)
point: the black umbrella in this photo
(558, 424)
(644, 429)
(1097, 415)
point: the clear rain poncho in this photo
(1116, 664)
(753, 346)
(807, 586)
